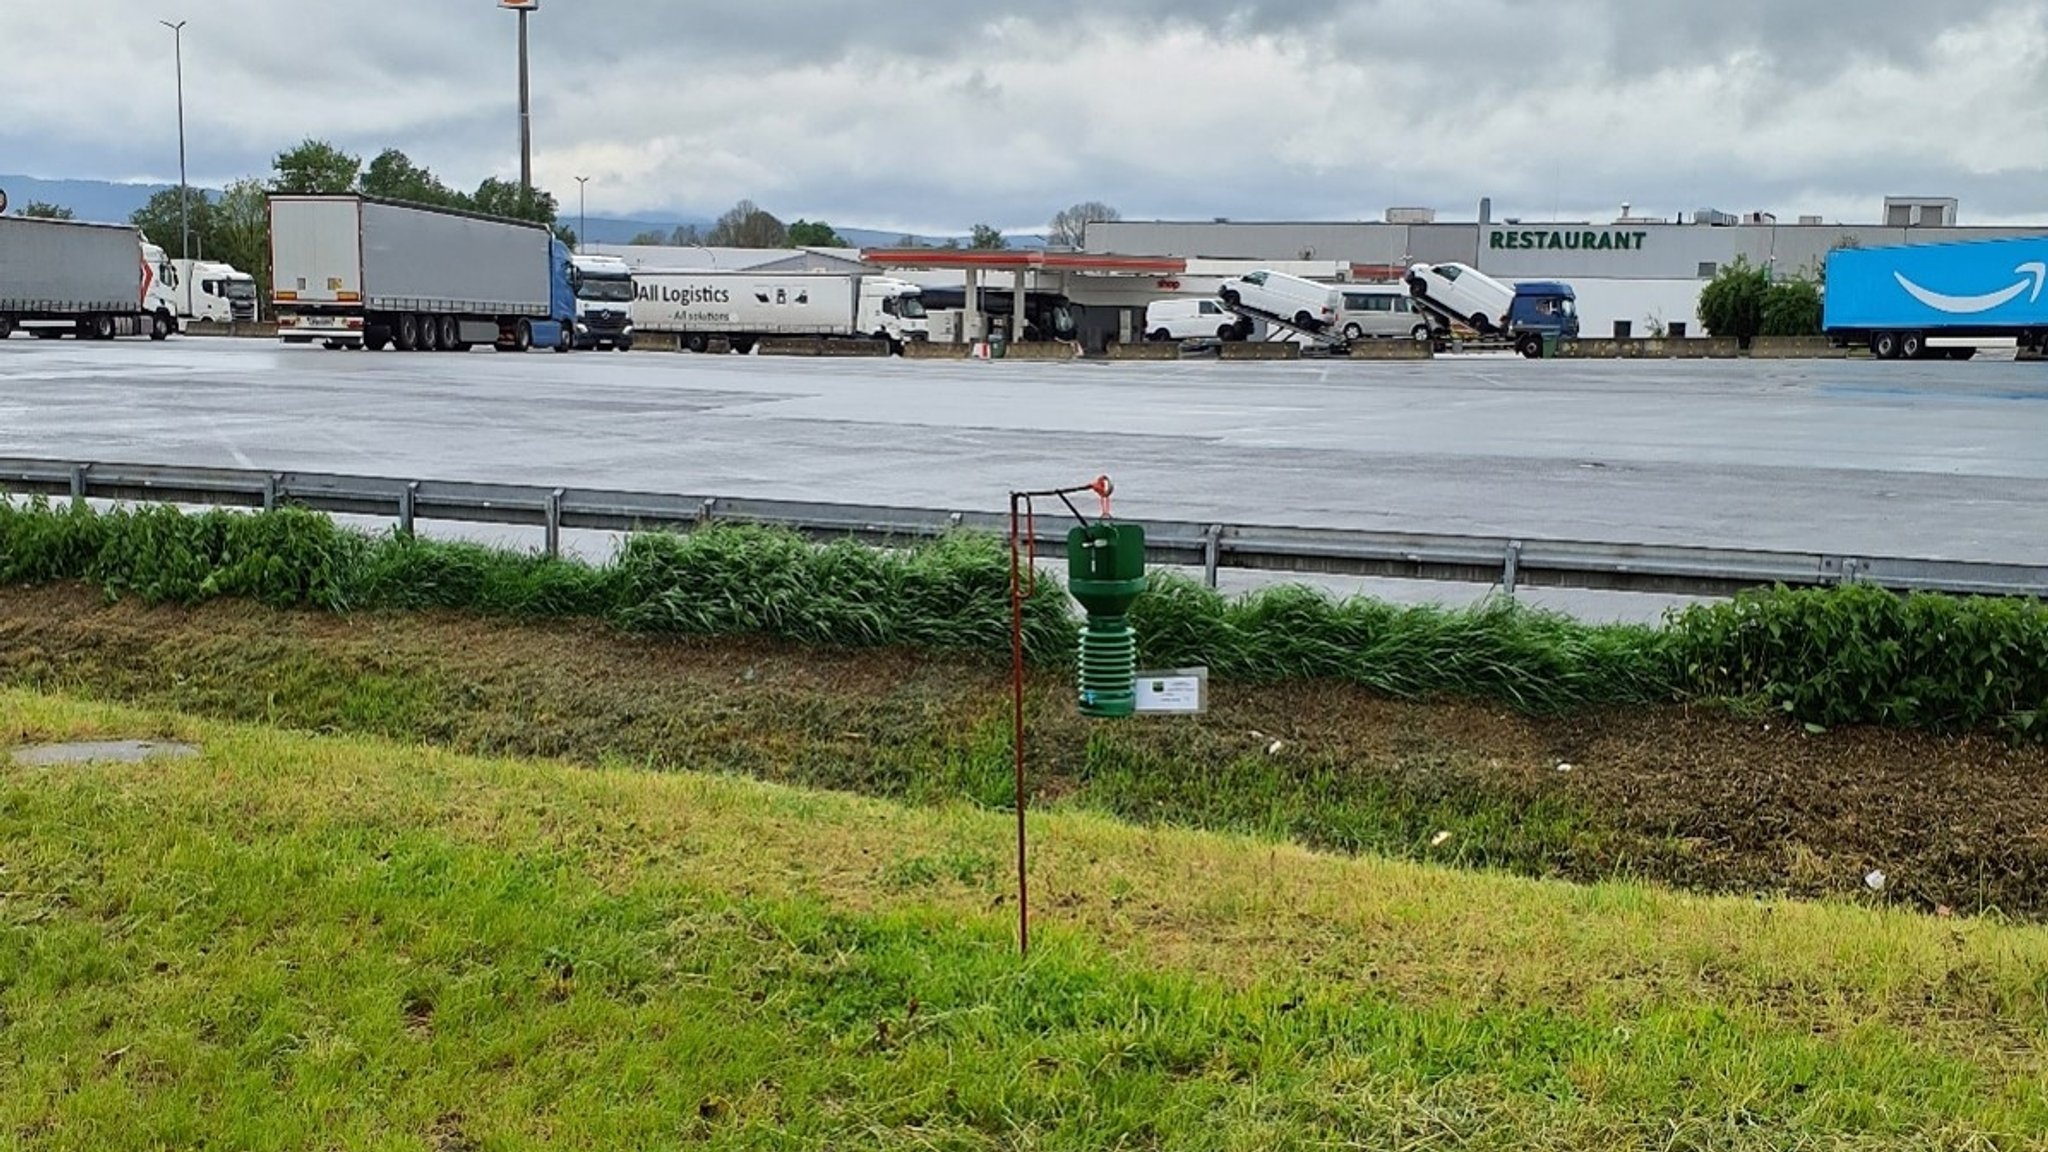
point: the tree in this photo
(686, 236)
(495, 197)
(814, 234)
(908, 241)
(745, 225)
(239, 232)
(987, 236)
(44, 210)
(159, 219)
(1070, 226)
(567, 236)
(1732, 303)
(653, 237)
(315, 167)
(394, 176)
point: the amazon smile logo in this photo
(2032, 276)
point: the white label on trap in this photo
(1180, 692)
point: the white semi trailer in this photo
(743, 307)
(92, 281)
(353, 271)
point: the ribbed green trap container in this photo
(1106, 573)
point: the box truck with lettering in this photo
(360, 272)
(1897, 301)
(91, 281)
(741, 308)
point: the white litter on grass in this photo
(1440, 839)
(1564, 767)
(1274, 748)
(1874, 881)
(104, 752)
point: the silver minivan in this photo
(1380, 311)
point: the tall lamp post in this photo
(184, 188)
(525, 8)
(582, 216)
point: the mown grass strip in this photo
(1852, 655)
(312, 941)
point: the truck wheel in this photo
(522, 336)
(1480, 323)
(103, 327)
(696, 342)
(376, 339)
(430, 334)
(1912, 346)
(623, 344)
(6, 327)
(744, 345)
(408, 335)
(1531, 347)
(160, 327)
(451, 334)
(1885, 345)
(1227, 333)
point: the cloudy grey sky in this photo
(934, 116)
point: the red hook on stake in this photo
(1103, 489)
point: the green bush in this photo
(1732, 303)
(1861, 655)
(1853, 655)
(1792, 308)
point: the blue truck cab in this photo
(1542, 308)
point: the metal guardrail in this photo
(1509, 563)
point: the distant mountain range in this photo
(109, 201)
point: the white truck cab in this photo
(159, 283)
(604, 302)
(892, 309)
(210, 290)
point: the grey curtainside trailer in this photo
(356, 271)
(66, 277)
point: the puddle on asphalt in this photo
(100, 752)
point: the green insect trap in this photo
(1106, 573)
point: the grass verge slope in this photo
(298, 941)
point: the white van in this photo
(1380, 311)
(1464, 292)
(1307, 304)
(1189, 320)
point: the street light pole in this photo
(184, 187)
(582, 216)
(525, 116)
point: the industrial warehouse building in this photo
(1646, 272)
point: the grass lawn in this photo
(298, 942)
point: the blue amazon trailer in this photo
(1895, 300)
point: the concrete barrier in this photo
(1261, 350)
(1392, 350)
(1705, 348)
(855, 348)
(925, 350)
(1042, 350)
(1589, 349)
(792, 346)
(1795, 348)
(250, 331)
(1150, 350)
